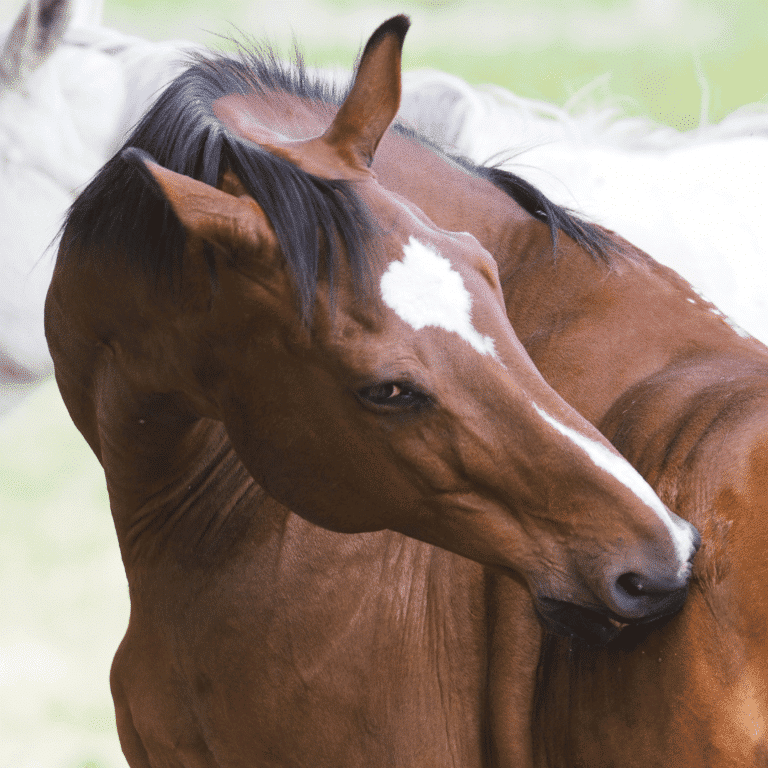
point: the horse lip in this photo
(596, 626)
(571, 620)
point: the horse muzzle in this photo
(632, 599)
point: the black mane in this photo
(592, 238)
(181, 132)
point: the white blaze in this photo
(626, 474)
(424, 290)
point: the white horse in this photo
(69, 90)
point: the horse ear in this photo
(34, 36)
(213, 215)
(374, 99)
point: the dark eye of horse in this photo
(394, 395)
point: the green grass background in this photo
(63, 599)
(665, 57)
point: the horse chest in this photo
(321, 649)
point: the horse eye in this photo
(394, 395)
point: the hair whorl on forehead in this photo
(119, 215)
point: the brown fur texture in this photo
(239, 460)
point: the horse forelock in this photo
(119, 216)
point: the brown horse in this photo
(683, 394)
(266, 346)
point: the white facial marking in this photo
(424, 290)
(626, 474)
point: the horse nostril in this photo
(642, 596)
(632, 584)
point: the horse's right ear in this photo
(33, 37)
(374, 98)
(234, 223)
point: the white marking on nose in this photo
(625, 473)
(424, 290)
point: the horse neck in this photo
(597, 330)
(550, 294)
(693, 691)
(561, 300)
(177, 491)
(457, 200)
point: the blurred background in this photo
(63, 599)
(669, 58)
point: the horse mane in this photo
(181, 132)
(596, 241)
(592, 238)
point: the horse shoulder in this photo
(734, 475)
(722, 676)
(693, 687)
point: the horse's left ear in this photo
(215, 216)
(374, 99)
(34, 36)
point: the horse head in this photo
(389, 390)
